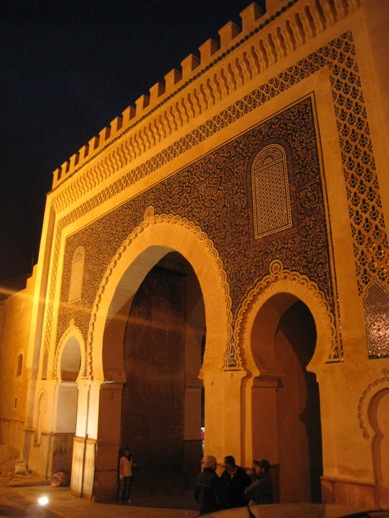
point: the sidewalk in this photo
(22, 502)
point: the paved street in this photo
(22, 502)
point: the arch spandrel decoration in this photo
(299, 286)
(159, 234)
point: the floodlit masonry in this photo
(217, 258)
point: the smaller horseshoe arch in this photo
(294, 287)
(379, 419)
(373, 420)
(69, 360)
(283, 334)
(70, 355)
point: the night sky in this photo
(67, 69)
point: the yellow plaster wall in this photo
(348, 386)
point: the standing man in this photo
(261, 489)
(234, 480)
(208, 492)
(125, 475)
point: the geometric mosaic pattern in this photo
(214, 193)
(365, 208)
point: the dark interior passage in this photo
(299, 408)
(157, 337)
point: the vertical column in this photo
(108, 440)
(96, 445)
(224, 420)
(261, 432)
(80, 441)
(263, 413)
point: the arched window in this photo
(271, 198)
(45, 364)
(70, 361)
(19, 366)
(376, 306)
(76, 275)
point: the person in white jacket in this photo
(125, 475)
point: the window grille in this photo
(272, 207)
(376, 306)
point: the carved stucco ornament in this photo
(280, 280)
(210, 259)
(371, 390)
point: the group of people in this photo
(234, 488)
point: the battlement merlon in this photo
(173, 80)
(254, 20)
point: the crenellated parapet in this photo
(223, 66)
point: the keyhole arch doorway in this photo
(286, 333)
(162, 409)
(69, 359)
(283, 344)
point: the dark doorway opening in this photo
(298, 407)
(162, 397)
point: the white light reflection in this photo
(43, 500)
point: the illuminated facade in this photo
(217, 256)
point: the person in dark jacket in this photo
(234, 481)
(260, 491)
(208, 492)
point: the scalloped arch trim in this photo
(281, 281)
(364, 402)
(144, 247)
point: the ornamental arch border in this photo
(144, 247)
(299, 287)
(375, 387)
